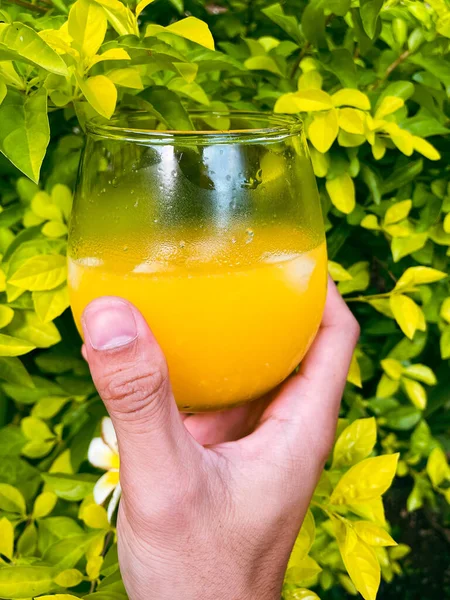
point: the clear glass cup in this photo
(216, 235)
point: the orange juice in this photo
(233, 316)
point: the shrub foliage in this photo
(371, 80)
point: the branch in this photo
(398, 61)
(296, 65)
(29, 6)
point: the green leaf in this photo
(44, 504)
(415, 392)
(406, 313)
(41, 273)
(66, 553)
(25, 581)
(27, 543)
(288, 23)
(360, 279)
(403, 246)
(12, 346)
(418, 276)
(369, 11)
(193, 29)
(20, 42)
(403, 418)
(355, 443)
(11, 499)
(167, 106)
(365, 480)
(373, 534)
(120, 16)
(70, 487)
(6, 315)
(25, 132)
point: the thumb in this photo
(131, 376)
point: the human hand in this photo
(211, 505)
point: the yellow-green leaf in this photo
(300, 594)
(69, 578)
(312, 100)
(419, 275)
(54, 229)
(320, 162)
(370, 222)
(387, 387)
(101, 93)
(354, 372)
(406, 313)
(372, 534)
(371, 509)
(378, 148)
(437, 467)
(311, 80)
(393, 368)
(341, 190)
(141, 5)
(401, 138)
(263, 63)
(337, 272)
(112, 54)
(120, 16)
(421, 373)
(415, 392)
(397, 212)
(425, 148)
(351, 97)
(129, 78)
(43, 206)
(6, 315)
(41, 272)
(304, 541)
(12, 346)
(445, 309)
(52, 303)
(193, 29)
(11, 499)
(6, 538)
(188, 71)
(87, 26)
(23, 581)
(355, 443)
(359, 560)
(401, 247)
(365, 480)
(359, 281)
(59, 597)
(95, 516)
(351, 120)
(388, 105)
(44, 504)
(304, 572)
(35, 429)
(93, 567)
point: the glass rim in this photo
(279, 128)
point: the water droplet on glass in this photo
(228, 178)
(233, 240)
(250, 234)
(182, 244)
(125, 248)
(136, 204)
(155, 220)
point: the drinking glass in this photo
(215, 235)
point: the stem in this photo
(29, 6)
(368, 298)
(301, 55)
(398, 61)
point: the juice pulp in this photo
(233, 317)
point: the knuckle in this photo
(134, 387)
(352, 326)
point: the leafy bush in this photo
(372, 82)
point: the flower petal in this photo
(114, 502)
(105, 485)
(100, 455)
(109, 434)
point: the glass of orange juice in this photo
(216, 235)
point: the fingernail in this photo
(109, 323)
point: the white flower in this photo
(103, 453)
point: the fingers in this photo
(305, 410)
(131, 376)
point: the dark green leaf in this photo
(288, 23)
(166, 105)
(369, 11)
(70, 487)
